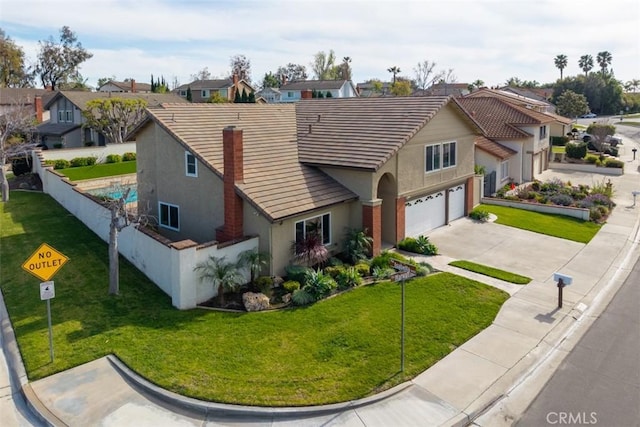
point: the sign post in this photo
(44, 263)
(404, 272)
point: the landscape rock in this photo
(255, 301)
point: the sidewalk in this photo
(478, 382)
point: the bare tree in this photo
(17, 125)
(203, 74)
(426, 75)
(291, 72)
(241, 66)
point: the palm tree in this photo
(604, 60)
(394, 70)
(255, 261)
(561, 63)
(357, 244)
(221, 274)
(477, 84)
(586, 63)
(346, 68)
(633, 85)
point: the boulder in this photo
(255, 301)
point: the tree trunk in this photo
(3, 179)
(114, 276)
(221, 295)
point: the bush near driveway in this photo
(335, 350)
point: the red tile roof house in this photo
(515, 138)
(396, 166)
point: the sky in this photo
(489, 40)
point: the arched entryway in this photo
(387, 193)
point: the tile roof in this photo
(10, 95)
(494, 148)
(275, 182)
(509, 97)
(80, 98)
(127, 85)
(501, 119)
(206, 84)
(313, 84)
(562, 119)
(362, 132)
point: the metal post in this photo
(560, 286)
(402, 333)
(50, 330)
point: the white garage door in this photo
(424, 213)
(456, 202)
(537, 165)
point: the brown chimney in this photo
(306, 94)
(49, 88)
(133, 86)
(235, 79)
(233, 174)
(37, 102)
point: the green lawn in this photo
(99, 170)
(343, 348)
(550, 224)
(558, 149)
(492, 272)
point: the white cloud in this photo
(486, 39)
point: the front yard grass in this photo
(99, 170)
(342, 348)
(491, 272)
(561, 226)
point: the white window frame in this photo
(187, 157)
(204, 93)
(321, 217)
(543, 132)
(61, 116)
(69, 115)
(290, 94)
(436, 161)
(166, 222)
(504, 170)
(455, 154)
(183, 93)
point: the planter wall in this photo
(586, 168)
(580, 213)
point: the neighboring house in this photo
(445, 89)
(130, 86)
(514, 98)
(539, 94)
(202, 90)
(396, 167)
(271, 95)
(32, 99)
(293, 91)
(64, 129)
(521, 130)
(498, 161)
(368, 90)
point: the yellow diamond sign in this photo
(45, 262)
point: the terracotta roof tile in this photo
(275, 182)
(360, 132)
(494, 148)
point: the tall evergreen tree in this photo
(329, 94)
(237, 99)
(189, 94)
(252, 98)
(245, 97)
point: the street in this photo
(599, 381)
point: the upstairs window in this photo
(440, 156)
(190, 164)
(448, 154)
(169, 216)
(543, 132)
(433, 158)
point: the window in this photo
(205, 93)
(448, 154)
(289, 94)
(169, 216)
(60, 116)
(504, 170)
(190, 164)
(440, 156)
(69, 116)
(543, 132)
(319, 224)
(183, 93)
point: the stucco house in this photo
(395, 166)
(130, 86)
(28, 98)
(516, 139)
(294, 91)
(64, 128)
(271, 95)
(202, 90)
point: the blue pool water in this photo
(116, 193)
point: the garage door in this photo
(456, 202)
(424, 213)
(537, 165)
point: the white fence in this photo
(100, 153)
(170, 265)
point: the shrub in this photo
(348, 278)
(61, 164)
(334, 270)
(594, 214)
(357, 244)
(363, 269)
(297, 273)
(536, 185)
(128, 157)
(333, 261)
(291, 286)
(576, 151)
(613, 163)
(380, 273)
(601, 129)
(419, 245)
(612, 151)
(264, 283)
(604, 211)
(559, 140)
(381, 261)
(591, 159)
(479, 170)
(423, 268)
(114, 158)
(479, 215)
(301, 297)
(89, 143)
(83, 161)
(58, 145)
(561, 199)
(318, 284)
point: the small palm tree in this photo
(357, 244)
(586, 63)
(394, 70)
(561, 63)
(604, 60)
(221, 274)
(255, 261)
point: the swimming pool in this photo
(116, 192)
